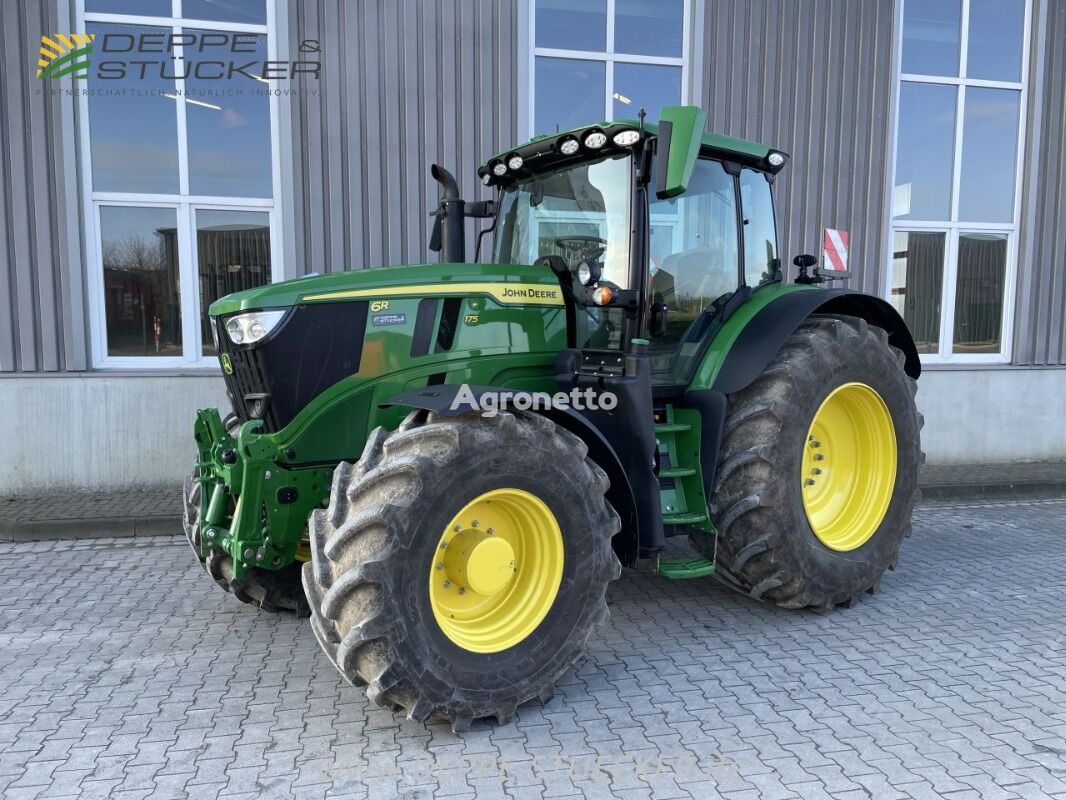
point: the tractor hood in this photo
(507, 283)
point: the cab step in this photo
(677, 472)
(684, 518)
(671, 427)
(685, 568)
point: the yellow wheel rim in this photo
(496, 570)
(849, 466)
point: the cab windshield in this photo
(580, 213)
(577, 213)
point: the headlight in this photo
(568, 146)
(499, 168)
(514, 162)
(776, 159)
(251, 327)
(214, 333)
(626, 138)
(584, 273)
(486, 178)
(596, 140)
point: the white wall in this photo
(104, 432)
(993, 415)
(99, 432)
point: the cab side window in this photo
(694, 253)
(760, 231)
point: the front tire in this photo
(452, 632)
(806, 523)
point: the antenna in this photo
(640, 116)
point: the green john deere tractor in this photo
(446, 465)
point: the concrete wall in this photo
(100, 432)
(993, 416)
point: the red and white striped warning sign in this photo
(835, 250)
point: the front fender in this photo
(766, 332)
(440, 399)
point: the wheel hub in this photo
(479, 561)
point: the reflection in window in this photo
(649, 27)
(570, 93)
(233, 251)
(133, 126)
(979, 292)
(995, 44)
(141, 287)
(253, 11)
(229, 131)
(647, 86)
(569, 25)
(140, 8)
(989, 149)
(931, 37)
(696, 267)
(760, 233)
(917, 275)
(924, 152)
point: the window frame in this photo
(609, 57)
(954, 227)
(185, 204)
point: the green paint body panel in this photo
(684, 569)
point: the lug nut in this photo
(440, 565)
(489, 531)
(819, 457)
(457, 528)
(447, 584)
(808, 482)
(816, 471)
(462, 590)
(474, 524)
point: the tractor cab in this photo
(652, 238)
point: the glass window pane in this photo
(979, 292)
(989, 148)
(649, 27)
(133, 125)
(569, 93)
(924, 152)
(644, 86)
(694, 262)
(140, 8)
(572, 24)
(917, 275)
(995, 44)
(141, 288)
(253, 11)
(233, 250)
(760, 233)
(931, 36)
(228, 124)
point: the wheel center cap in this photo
(485, 564)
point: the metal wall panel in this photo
(404, 84)
(41, 303)
(815, 79)
(1041, 323)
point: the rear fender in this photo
(767, 331)
(440, 400)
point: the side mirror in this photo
(678, 146)
(805, 261)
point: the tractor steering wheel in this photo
(588, 246)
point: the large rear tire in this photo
(818, 472)
(462, 564)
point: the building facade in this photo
(165, 172)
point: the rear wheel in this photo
(818, 472)
(462, 564)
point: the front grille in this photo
(315, 347)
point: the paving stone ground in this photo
(125, 672)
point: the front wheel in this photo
(462, 564)
(818, 472)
